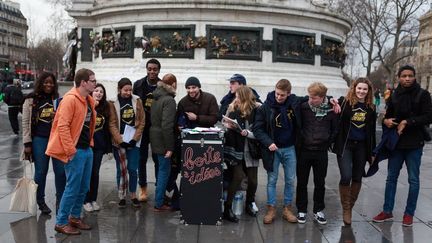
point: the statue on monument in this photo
(70, 57)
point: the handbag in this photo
(254, 148)
(24, 195)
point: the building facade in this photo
(424, 61)
(13, 37)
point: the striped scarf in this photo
(123, 185)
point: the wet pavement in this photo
(143, 225)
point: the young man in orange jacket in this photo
(70, 141)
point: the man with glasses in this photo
(70, 141)
(144, 89)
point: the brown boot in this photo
(142, 196)
(345, 197)
(288, 215)
(355, 190)
(270, 214)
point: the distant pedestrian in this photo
(102, 145)
(37, 118)
(14, 98)
(354, 141)
(377, 96)
(70, 141)
(127, 120)
(409, 111)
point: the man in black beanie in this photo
(409, 111)
(197, 108)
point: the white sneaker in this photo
(96, 206)
(320, 217)
(301, 218)
(254, 206)
(88, 207)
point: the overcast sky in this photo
(38, 14)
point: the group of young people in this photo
(77, 129)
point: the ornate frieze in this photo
(234, 42)
(115, 42)
(332, 52)
(169, 41)
(290, 46)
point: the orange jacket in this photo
(67, 125)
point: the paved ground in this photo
(143, 225)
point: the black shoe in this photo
(44, 208)
(135, 203)
(250, 210)
(122, 203)
(229, 215)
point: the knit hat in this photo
(169, 79)
(192, 81)
(406, 67)
(238, 78)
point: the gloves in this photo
(124, 145)
(132, 143)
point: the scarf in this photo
(123, 185)
(321, 110)
(404, 99)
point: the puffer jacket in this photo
(163, 114)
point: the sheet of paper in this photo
(128, 133)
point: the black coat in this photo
(345, 126)
(402, 106)
(264, 128)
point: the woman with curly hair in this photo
(355, 141)
(38, 114)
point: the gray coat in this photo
(163, 114)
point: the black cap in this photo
(192, 81)
(238, 78)
(406, 67)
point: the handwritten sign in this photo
(201, 182)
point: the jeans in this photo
(132, 157)
(78, 172)
(142, 170)
(13, 118)
(286, 157)
(352, 162)
(162, 180)
(39, 145)
(318, 161)
(412, 159)
(94, 179)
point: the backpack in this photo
(13, 96)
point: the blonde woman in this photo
(237, 150)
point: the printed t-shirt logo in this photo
(46, 113)
(127, 114)
(100, 122)
(358, 118)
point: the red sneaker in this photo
(407, 220)
(381, 217)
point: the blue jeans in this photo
(132, 157)
(78, 172)
(39, 145)
(162, 180)
(412, 159)
(286, 157)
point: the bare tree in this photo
(367, 31)
(47, 55)
(401, 23)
